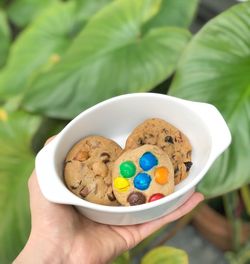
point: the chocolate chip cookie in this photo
(158, 132)
(142, 175)
(88, 168)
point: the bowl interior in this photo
(117, 117)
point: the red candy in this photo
(155, 197)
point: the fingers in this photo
(148, 228)
(37, 201)
(34, 189)
(36, 197)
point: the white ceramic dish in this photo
(116, 118)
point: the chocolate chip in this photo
(81, 156)
(105, 157)
(111, 196)
(136, 198)
(176, 169)
(188, 165)
(141, 142)
(84, 191)
(169, 139)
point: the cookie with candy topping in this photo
(88, 168)
(172, 141)
(142, 175)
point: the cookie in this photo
(158, 132)
(88, 169)
(142, 175)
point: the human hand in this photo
(60, 234)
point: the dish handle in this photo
(218, 129)
(47, 176)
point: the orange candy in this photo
(161, 175)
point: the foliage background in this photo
(57, 58)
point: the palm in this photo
(83, 238)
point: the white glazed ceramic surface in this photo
(116, 118)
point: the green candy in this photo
(127, 169)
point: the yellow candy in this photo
(161, 175)
(121, 184)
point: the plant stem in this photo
(230, 201)
(245, 193)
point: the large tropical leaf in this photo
(16, 163)
(4, 38)
(216, 69)
(165, 254)
(21, 12)
(2, 3)
(85, 8)
(42, 44)
(174, 13)
(109, 57)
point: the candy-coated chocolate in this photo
(121, 184)
(127, 169)
(155, 197)
(148, 161)
(142, 181)
(161, 175)
(136, 198)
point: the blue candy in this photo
(142, 181)
(148, 161)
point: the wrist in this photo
(39, 252)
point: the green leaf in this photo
(2, 3)
(215, 68)
(245, 194)
(177, 13)
(85, 8)
(122, 259)
(109, 57)
(48, 128)
(22, 12)
(4, 38)
(41, 45)
(240, 257)
(16, 164)
(165, 254)
(231, 203)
